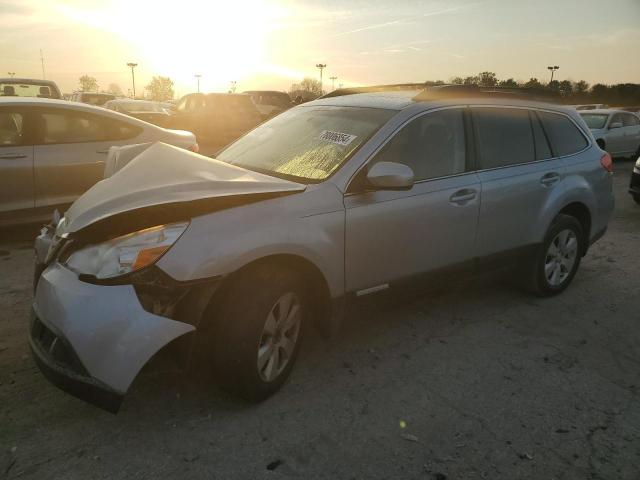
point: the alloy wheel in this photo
(279, 336)
(561, 257)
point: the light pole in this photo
(333, 82)
(133, 77)
(553, 69)
(12, 74)
(321, 66)
(197, 75)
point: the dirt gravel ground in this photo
(481, 382)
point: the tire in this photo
(552, 268)
(248, 309)
(636, 198)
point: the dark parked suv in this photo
(215, 118)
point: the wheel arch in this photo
(311, 274)
(580, 212)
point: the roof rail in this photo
(457, 91)
(374, 88)
(435, 92)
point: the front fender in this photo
(222, 243)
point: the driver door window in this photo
(433, 146)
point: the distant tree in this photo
(581, 87)
(487, 79)
(509, 82)
(307, 89)
(160, 89)
(555, 85)
(566, 88)
(88, 84)
(114, 89)
(471, 81)
(533, 83)
(457, 81)
(599, 92)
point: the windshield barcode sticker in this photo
(338, 138)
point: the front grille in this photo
(56, 347)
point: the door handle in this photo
(106, 150)
(12, 156)
(462, 197)
(549, 179)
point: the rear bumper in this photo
(59, 363)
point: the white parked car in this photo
(52, 151)
(616, 131)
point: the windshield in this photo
(307, 143)
(595, 120)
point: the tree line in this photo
(565, 91)
(159, 89)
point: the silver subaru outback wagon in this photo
(335, 199)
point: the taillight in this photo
(607, 162)
(195, 148)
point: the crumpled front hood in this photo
(164, 175)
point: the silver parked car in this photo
(52, 151)
(332, 200)
(616, 131)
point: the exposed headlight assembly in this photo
(127, 253)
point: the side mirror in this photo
(390, 176)
(615, 125)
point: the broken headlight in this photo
(125, 254)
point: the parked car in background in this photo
(91, 98)
(29, 87)
(215, 118)
(270, 103)
(635, 109)
(591, 106)
(332, 200)
(152, 112)
(634, 186)
(616, 131)
(51, 151)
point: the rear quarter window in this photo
(565, 137)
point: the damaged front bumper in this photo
(92, 340)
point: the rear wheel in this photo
(636, 198)
(258, 331)
(557, 260)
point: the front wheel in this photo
(258, 331)
(557, 260)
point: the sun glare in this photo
(223, 42)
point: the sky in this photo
(270, 44)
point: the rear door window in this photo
(629, 120)
(565, 137)
(11, 128)
(67, 126)
(504, 136)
